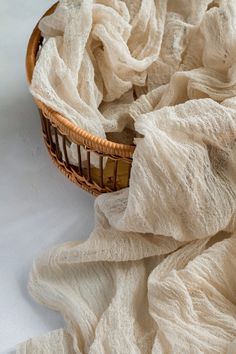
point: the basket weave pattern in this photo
(115, 159)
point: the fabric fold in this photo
(157, 274)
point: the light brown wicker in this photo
(110, 176)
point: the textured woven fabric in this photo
(157, 274)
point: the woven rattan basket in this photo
(114, 159)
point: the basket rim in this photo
(77, 134)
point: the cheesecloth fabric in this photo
(157, 274)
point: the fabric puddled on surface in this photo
(158, 273)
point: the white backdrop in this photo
(38, 206)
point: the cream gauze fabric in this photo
(158, 273)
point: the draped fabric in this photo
(157, 274)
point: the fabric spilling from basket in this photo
(157, 274)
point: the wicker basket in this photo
(114, 159)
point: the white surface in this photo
(38, 206)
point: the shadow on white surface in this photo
(39, 207)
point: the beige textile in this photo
(157, 274)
